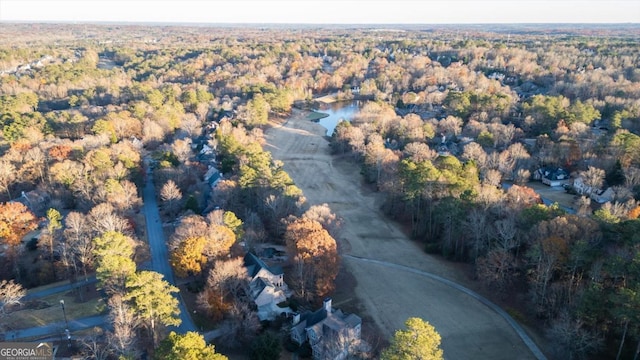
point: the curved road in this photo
(516, 327)
(158, 248)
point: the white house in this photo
(597, 195)
(266, 287)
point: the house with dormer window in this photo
(266, 287)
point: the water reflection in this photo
(338, 111)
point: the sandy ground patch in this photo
(469, 329)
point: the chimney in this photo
(296, 319)
(326, 304)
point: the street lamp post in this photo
(66, 323)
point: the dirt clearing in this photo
(469, 329)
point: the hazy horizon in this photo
(328, 12)
(181, 23)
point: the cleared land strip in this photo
(518, 329)
(385, 295)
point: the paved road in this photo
(58, 289)
(160, 263)
(158, 248)
(516, 327)
(56, 328)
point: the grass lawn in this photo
(315, 116)
(555, 194)
(47, 310)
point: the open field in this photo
(386, 296)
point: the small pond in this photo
(338, 111)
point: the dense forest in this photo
(456, 124)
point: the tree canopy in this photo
(419, 340)
(190, 346)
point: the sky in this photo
(323, 12)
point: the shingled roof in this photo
(254, 265)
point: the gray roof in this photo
(254, 265)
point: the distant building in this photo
(330, 332)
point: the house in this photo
(597, 195)
(330, 332)
(552, 176)
(266, 287)
(212, 176)
(603, 196)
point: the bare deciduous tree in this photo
(506, 232)
(170, 195)
(216, 217)
(322, 214)
(254, 231)
(78, 240)
(492, 177)
(473, 151)
(7, 176)
(419, 152)
(94, 347)
(477, 225)
(494, 268)
(191, 125)
(123, 338)
(582, 205)
(243, 323)
(152, 132)
(181, 148)
(10, 294)
(227, 283)
(522, 176)
(593, 177)
(571, 338)
(632, 177)
(190, 226)
(103, 218)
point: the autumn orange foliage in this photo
(309, 243)
(634, 213)
(15, 222)
(60, 152)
